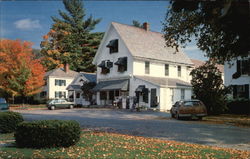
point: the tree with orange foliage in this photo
(20, 73)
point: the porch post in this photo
(74, 96)
(107, 101)
(98, 102)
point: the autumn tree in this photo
(220, 27)
(70, 39)
(20, 73)
(208, 87)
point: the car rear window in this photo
(2, 100)
(191, 103)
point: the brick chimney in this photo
(146, 26)
(66, 67)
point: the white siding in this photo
(134, 83)
(228, 73)
(53, 88)
(157, 69)
(229, 70)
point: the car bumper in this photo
(192, 115)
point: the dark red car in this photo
(188, 108)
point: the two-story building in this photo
(135, 62)
(237, 74)
(65, 83)
(56, 82)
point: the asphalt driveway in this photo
(150, 124)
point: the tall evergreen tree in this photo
(70, 39)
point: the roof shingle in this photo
(198, 63)
(148, 44)
(161, 81)
(59, 72)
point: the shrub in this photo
(239, 107)
(9, 121)
(47, 133)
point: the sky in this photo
(30, 20)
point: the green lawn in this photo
(110, 145)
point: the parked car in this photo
(3, 104)
(59, 103)
(188, 108)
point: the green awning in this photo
(121, 61)
(113, 43)
(102, 64)
(112, 85)
(140, 88)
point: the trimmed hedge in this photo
(48, 133)
(239, 107)
(9, 121)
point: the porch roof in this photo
(167, 82)
(112, 85)
(73, 87)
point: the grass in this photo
(111, 145)
(26, 106)
(237, 120)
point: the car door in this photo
(59, 103)
(64, 103)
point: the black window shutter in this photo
(248, 66)
(239, 66)
(234, 91)
(247, 91)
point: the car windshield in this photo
(191, 103)
(2, 100)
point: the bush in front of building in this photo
(208, 87)
(9, 121)
(48, 133)
(239, 106)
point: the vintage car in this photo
(59, 103)
(3, 104)
(188, 108)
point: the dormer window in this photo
(105, 66)
(122, 64)
(113, 46)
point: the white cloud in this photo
(26, 24)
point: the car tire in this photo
(52, 107)
(71, 107)
(172, 115)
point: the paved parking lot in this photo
(150, 124)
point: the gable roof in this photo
(148, 44)
(198, 63)
(80, 78)
(60, 72)
(91, 77)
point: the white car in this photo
(59, 103)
